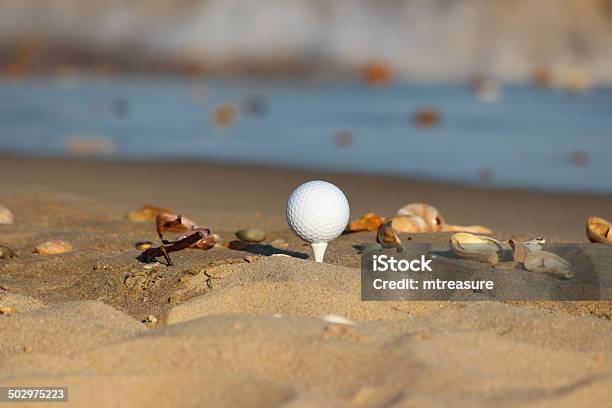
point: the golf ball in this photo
(317, 211)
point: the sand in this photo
(244, 328)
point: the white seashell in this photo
(410, 224)
(6, 216)
(536, 244)
(336, 319)
(547, 262)
(431, 216)
(476, 248)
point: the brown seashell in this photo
(6, 310)
(520, 252)
(388, 238)
(53, 247)
(367, 222)
(476, 248)
(173, 223)
(6, 252)
(410, 224)
(147, 213)
(599, 230)
(6, 216)
(547, 262)
(207, 242)
(429, 213)
(474, 229)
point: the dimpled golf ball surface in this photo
(317, 211)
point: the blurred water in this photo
(525, 140)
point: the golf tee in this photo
(319, 250)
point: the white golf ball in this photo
(317, 211)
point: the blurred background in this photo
(501, 93)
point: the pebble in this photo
(279, 243)
(236, 245)
(6, 253)
(53, 247)
(141, 246)
(6, 216)
(251, 235)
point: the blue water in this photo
(524, 140)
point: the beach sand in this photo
(243, 328)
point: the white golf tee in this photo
(319, 250)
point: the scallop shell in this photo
(476, 248)
(367, 222)
(547, 262)
(388, 238)
(410, 223)
(53, 247)
(6, 216)
(599, 230)
(430, 214)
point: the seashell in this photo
(6, 252)
(473, 229)
(251, 235)
(205, 243)
(140, 216)
(279, 243)
(410, 223)
(147, 213)
(6, 216)
(430, 214)
(53, 247)
(173, 222)
(520, 251)
(535, 244)
(336, 319)
(143, 245)
(476, 248)
(367, 222)
(387, 237)
(6, 310)
(547, 262)
(599, 230)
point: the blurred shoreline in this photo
(415, 39)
